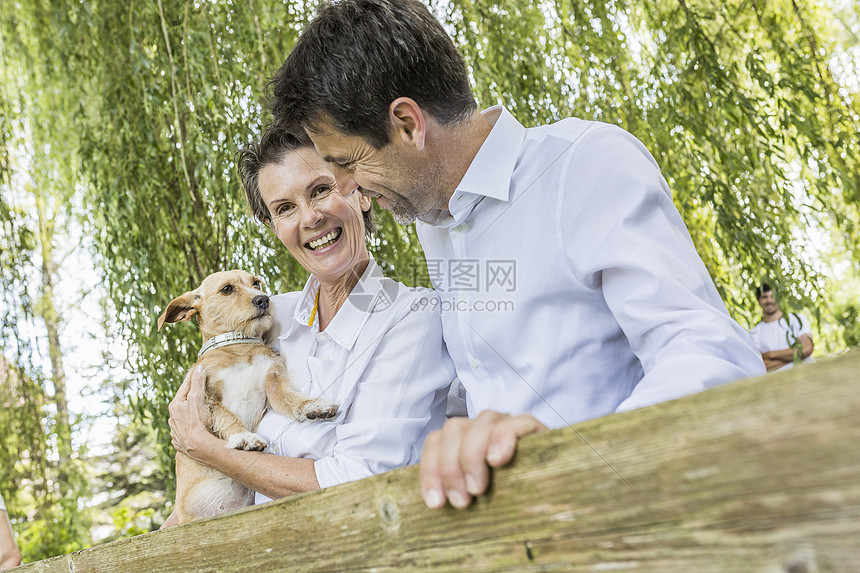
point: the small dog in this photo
(242, 374)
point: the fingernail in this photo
(494, 454)
(433, 498)
(472, 485)
(457, 499)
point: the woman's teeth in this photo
(325, 241)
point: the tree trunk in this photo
(48, 311)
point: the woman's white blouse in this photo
(381, 358)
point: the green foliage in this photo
(132, 477)
(38, 180)
(130, 523)
(847, 316)
(47, 521)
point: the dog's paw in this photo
(246, 441)
(319, 409)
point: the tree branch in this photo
(179, 130)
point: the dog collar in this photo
(227, 339)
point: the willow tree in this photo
(37, 185)
(736, 100)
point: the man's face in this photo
(393, 174)
(768, 303)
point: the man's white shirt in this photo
(381, 359)
(569, 285)
(781, 334)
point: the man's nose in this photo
(346, 183)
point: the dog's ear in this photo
(181, 308)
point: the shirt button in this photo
(322, 337)
(461, 228)
(474, 362)
(276, 449)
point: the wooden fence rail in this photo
(758, 475)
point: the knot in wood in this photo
(389, 512)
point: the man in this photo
(600, 301)
(782, 340)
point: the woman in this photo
(352, 336)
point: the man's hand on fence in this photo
(457, 459)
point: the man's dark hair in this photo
(357, 56)
(273, 146)
(761, 289)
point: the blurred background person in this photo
(782, 339)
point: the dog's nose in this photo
(261, 302)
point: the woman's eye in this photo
(226, 289)
(283, 209)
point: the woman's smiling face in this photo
(322, 230)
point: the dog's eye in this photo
(226, 289)
(256, 284)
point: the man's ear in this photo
(365, 203)
(181, 308)
(408, 122)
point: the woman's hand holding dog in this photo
(187, 426)
(457, 459)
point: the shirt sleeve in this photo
(624, 234)
(399, 399)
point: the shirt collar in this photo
(489, 174)
(366, 297)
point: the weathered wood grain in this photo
(757, 475)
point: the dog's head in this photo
(229, 301)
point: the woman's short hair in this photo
(272, 147)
